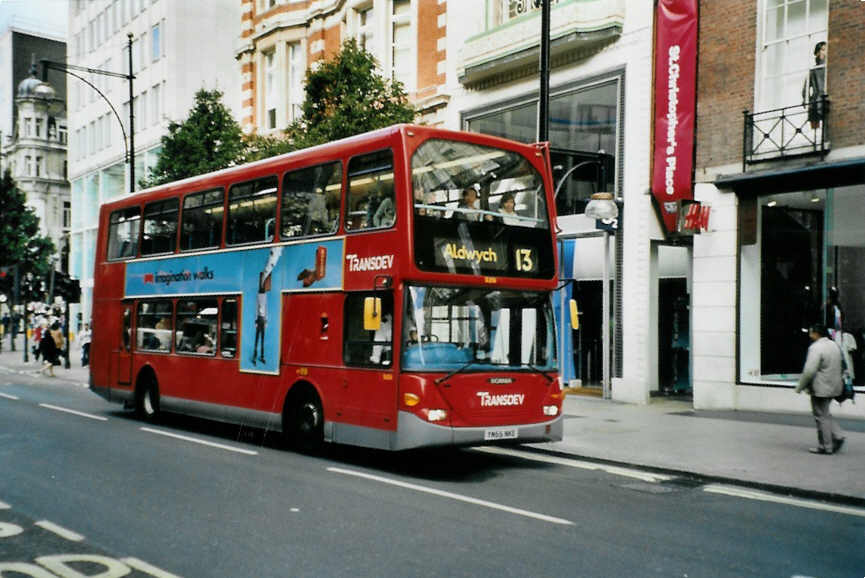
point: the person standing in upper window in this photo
(815, 86)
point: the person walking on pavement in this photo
(84, 338)
(821, 376)
(49, 348)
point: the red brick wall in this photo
(845, 69)
(727, 41)
(427, 46)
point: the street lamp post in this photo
(544, 65)
(68, 68)
(602, 207)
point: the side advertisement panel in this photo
(259, 275)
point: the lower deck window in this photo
(153, 331)
(196, 326)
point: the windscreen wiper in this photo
(538, 370)
(460, 369)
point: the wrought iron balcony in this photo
(784, 133)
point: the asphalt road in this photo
(102, 492)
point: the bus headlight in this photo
(551, 410)
(436, 414)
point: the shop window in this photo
(160, 227)
(310, 200)
(588, 121)
(368, 348)
(202, 220)
(228, 329)
(371, 200)
(801, 265)
(196, 326)
(252, 211)
(154, 323)
(123, 233)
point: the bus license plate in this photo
(500, 434)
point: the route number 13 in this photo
(524, 260)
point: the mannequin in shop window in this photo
(834, 316)
(815, 86)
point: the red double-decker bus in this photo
(389, 290)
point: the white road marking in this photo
(574, 463)
(767, 497)
(60, 531)
(4, 506)
(8, 530)
(72, 411)
(8, 396)
(458, 497)
(202, 442)
(137, 564)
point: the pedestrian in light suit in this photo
(821, 376)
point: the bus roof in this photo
(261, 166)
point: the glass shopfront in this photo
(801, 262)
(583, 117)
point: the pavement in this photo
(763, 450)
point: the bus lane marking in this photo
(574, 463)
(767, 497)
(59, 530)
(200, 441)
(453, 496)
(73, 412)
(8, 396)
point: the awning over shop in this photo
(821, 175)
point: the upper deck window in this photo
(160, 227)
(252, 211)
(202, 220)
(479, 210)
(310, 200)
(458, 180)
(123, 233)
(371, 203)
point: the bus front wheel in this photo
(147, 400)
(303, 422)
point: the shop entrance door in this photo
(674, 346)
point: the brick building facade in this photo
(281, 40)
(780, 157)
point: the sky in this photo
(43, 16)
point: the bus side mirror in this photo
(575, 315)
(371, 313)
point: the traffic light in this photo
(9, 280)
(67, 288)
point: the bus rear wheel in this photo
(303, 422)
(147, 400)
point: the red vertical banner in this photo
(675, 105)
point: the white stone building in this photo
(35, 153)
(178, 48)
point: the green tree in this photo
(20, 241)
(345, 96)
(208, 140)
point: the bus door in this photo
(122, 356)
(370, 380)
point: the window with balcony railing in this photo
(791, 104)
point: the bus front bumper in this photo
(413, 432)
